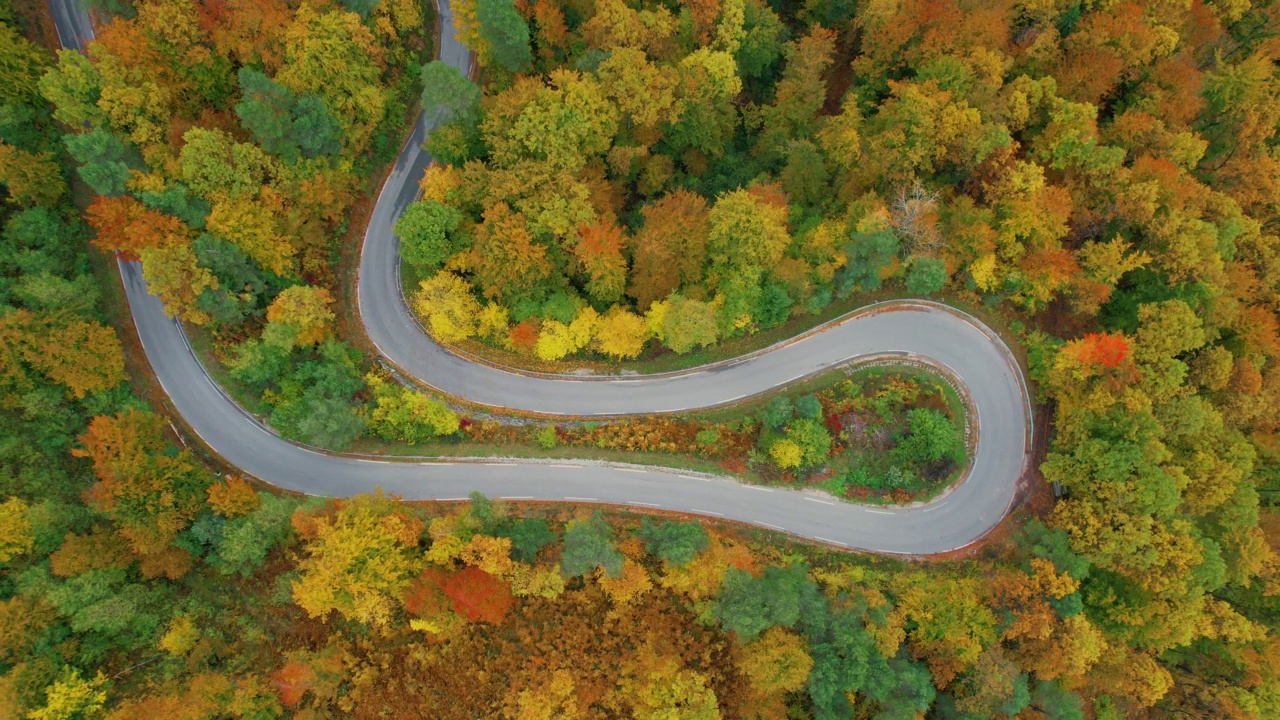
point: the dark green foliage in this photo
(41, 240)
(560, 306)
(842, 653)
(1053, 545)
(748, 606)
(242, 285)
(506, 31)
(926, 276)
(1056, 702)
(104, 160)
(315, 130)
(777, 412)
(448, 95)
(902, 687)
(773, 306)
(762, 44)
(805, 176)
(284, 122)
(867, 254)
(588, 544)
(175, 200)
(932, 437)
(808, 406)
(675, 542)
(528, 537)
(426, 230)
(316, 399)
(361, 7)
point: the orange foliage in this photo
(1105, 349)
(479, 596)
(249, 30)
(292, 681)
(424, 595)
(233, 497)
(126, 226)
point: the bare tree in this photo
(914, 216)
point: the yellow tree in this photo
(253, 227)
(446, 302)
(777, 662)
(32, 178)
(359, 559)
(304, 308)
(15, 529)
(172, 273)
(622, 333)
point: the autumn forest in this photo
(643, 186)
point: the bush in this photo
(808, 406)
(547, 437)
(932, 436)
(777, 412)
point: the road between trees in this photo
(971, 352)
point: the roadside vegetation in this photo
(1104, 172)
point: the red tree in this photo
(477, 595)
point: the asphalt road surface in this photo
(970, 351)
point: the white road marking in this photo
(500, 464)
(934, 506)
(516, 497)
(824, 502)
(753, 487)
(879, 512)
(775, 527)
(433, 463)
(706, 512)
(693, 477)
(630, 470)
(634, 502)
(376, 462)
(833, 542)
(580, 499)
(573, 467)
(451, 499)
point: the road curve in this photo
(970, 351)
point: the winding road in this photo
(927, 330)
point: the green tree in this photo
(427, 235)
(103, 160)
(813, 439)
(243, 542)
(867, 254)
(926, 276)
(21, 64)
(215, 165)
(777, 412)
(448, 95)
(588, 544)
(73, 87)
(675, 542)
(748, 606)
(506, 32)
(528, 537)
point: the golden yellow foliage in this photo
(15, 529)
